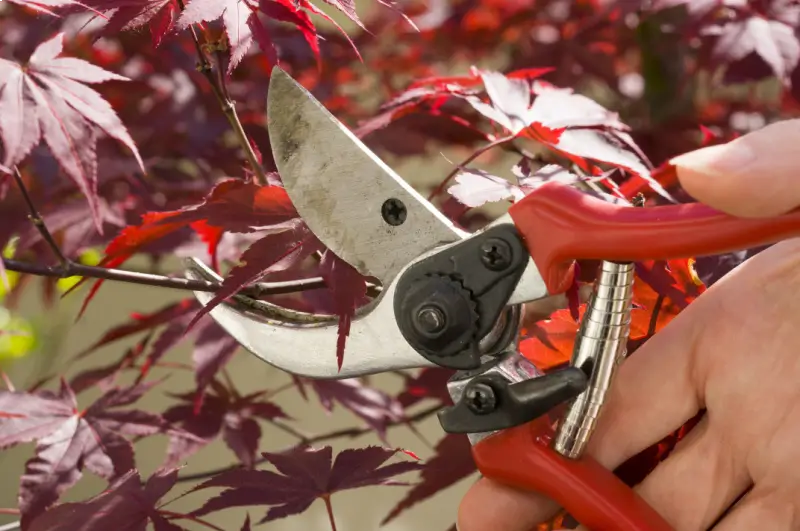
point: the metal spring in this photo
(599, 348)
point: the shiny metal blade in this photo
(305, 344)
(343, 191)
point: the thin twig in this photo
(227, 106)
(480, 151)
(10, 527)
(181, 516)
(291, 431)
(38, 221)
(348, 432)
(149, 279)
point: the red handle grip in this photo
(594, 496)
(560, 224)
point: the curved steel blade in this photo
(305, 344)
(339, 187)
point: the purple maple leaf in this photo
(47, 98)
(305, 475)
(279, 249)
(374, 407)
(431, 382)
(223, 413)
(452, 462)
(125, 505)
(349, 291)
(69, 440)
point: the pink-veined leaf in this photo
(69, 440)
(126, 505)
(775, 42)
(570, 124)
(48, 98)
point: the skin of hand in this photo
(735, 352)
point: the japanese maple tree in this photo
(135, 129)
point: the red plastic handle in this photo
(520, 457)
(560, 224)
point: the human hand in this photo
(735, 352)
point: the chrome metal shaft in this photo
(599, 348)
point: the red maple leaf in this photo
(45, 6)
(47, 98)
(69, 440)
(159, 15)
(305, 475)
(232, 205)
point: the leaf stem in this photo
(327, 499)
(227, 105)
(477, 153)
(181, 516)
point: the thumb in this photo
(755, 175)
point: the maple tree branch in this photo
(148, 279)
(477, 153)
(68, 268)
(38, 221)
(338, 434)
(226, 104)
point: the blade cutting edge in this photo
(343, 191)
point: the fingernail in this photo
(733, 157)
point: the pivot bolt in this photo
(495, 254)
(430, 320)
(394, 212)
(480, 398)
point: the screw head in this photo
(480, 398)
(394, 212)
(495, 254)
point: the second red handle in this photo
(560, 224)
(593, 495)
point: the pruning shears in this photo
(455, 299)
